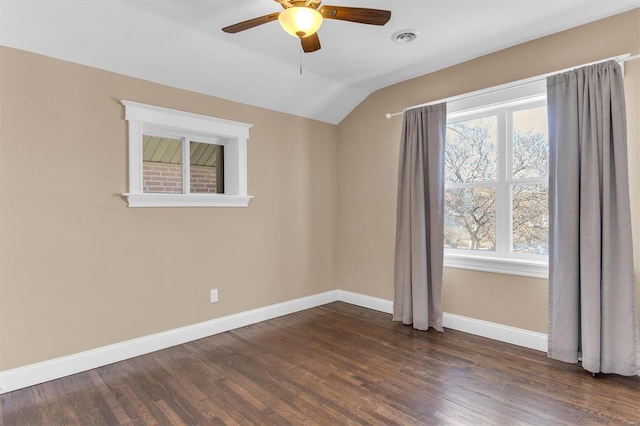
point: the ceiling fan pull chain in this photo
(300, 54)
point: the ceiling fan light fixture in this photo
(300, 21)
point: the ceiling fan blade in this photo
(310, 43)
(356, 14)
(245, 25)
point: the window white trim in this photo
(149, 119)
(487, 101)
(187, 200)
(498, 265)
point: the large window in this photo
(496, 185)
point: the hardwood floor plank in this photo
(59, 402)
(161, 388)
(132, 402)
(20, 408)
(113, 378)
(337, 364)
(119, 414)
(257, 391)
(185, 385)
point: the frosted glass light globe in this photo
(300, 21)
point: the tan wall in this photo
(368, 158)
(79, 269)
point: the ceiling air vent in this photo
(404, 36)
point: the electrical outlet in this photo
(214, 295)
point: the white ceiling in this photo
(179, 43)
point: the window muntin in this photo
(496, 184)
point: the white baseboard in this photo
(492, 330)
(362, 300)
(41, 372)
(495, 331)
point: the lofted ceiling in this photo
(180, 43)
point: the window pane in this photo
(530, 143)
(471, 151)
(470, 219)
(207, 168)
(162, 165)
(530, 219)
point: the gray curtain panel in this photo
(420, 219)
(592, 294)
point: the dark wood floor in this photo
(333, 365)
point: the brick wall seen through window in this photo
(167, 178)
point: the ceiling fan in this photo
(302, 18)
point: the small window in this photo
(496, 183)
(182, 159)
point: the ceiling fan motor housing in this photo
(303, 3)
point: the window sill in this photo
(498, 265)
(187, 200)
